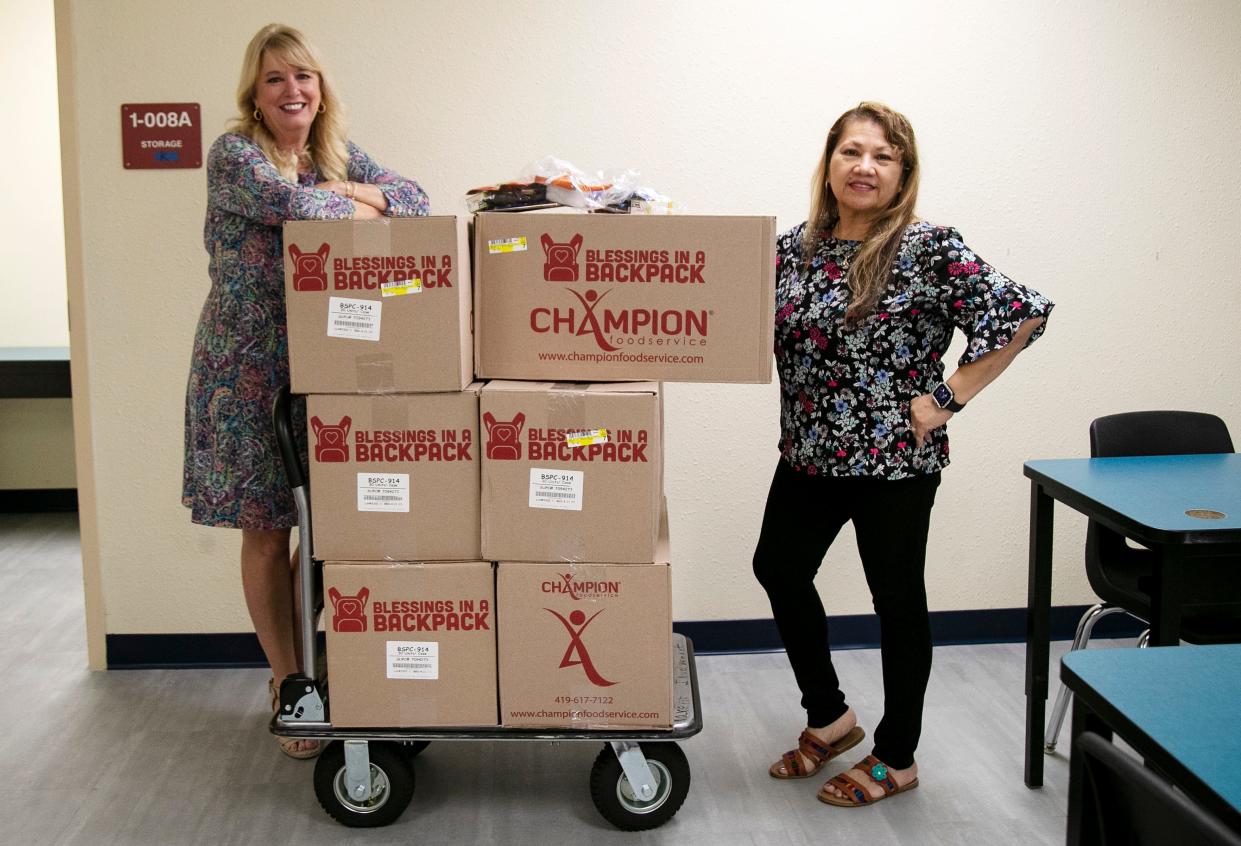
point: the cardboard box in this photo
(410, 644)
(602, 297)
(571, 472)
(395, 476)
(378, 306)
(585, 645)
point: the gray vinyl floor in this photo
(184, 756)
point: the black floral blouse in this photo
(845, 393)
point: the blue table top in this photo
(1156, 490)
(1185, 698)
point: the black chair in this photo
(1125, 803)
(1122, 575)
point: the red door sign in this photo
(161, 135)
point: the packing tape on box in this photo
(571, 548)
(566, 410)
(390, 413)
(566, 407)
(376, 373)
(571, 416)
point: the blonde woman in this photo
(867, 298)
(286, 157)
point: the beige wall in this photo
(32, 274)
(1081, 148)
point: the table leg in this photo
(1038, 631)
(1166, 596)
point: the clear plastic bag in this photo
(649, 201)
(555, 181)
(569, 186)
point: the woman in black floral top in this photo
(867, 298)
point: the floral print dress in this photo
(845, 393)
(233, 475)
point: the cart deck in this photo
(686, 721)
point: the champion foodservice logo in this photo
(309, 269)
(348, 612)
(560, 260)
(331, 442)
(576, 654)
(504, 437)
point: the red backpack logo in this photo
(504, 437)
(309, 269)
(561, 259)
(331, 442)
(348, 612)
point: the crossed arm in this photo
(369, 202)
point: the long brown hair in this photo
(326, 147)
(871, 267)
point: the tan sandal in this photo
(289, 745)
(814, 750)
(855, 793)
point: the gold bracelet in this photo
(349, 190)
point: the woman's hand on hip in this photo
(925, 416)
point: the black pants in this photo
(891, 519)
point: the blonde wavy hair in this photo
(326, 147)
(871, 267)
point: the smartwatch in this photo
(944, 398)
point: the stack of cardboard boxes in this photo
(380, 342)
(420, 477)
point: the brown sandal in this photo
(816, 751)
(289, 745)
(855, 793)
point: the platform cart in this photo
(365, 777)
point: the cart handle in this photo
(282, 420)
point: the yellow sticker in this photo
(400, 289)
(508, 245)
(587, 437)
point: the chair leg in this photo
(1144, 639)
(1084, 627)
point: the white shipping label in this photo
(356, 319)
(383, 492)
(560, 489)
(412, 659)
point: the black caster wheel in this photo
(392, 786)
(610, 790)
